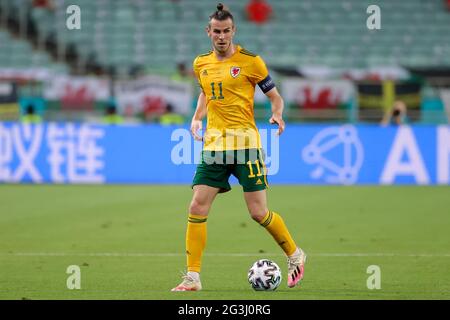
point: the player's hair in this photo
(221, 14)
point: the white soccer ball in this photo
(264, 275)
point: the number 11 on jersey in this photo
(220, 97)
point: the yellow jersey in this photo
(229, 87)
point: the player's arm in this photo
(200, 113)
(277, 109)
(267, 86)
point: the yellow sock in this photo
(277, 228)
(195, 241)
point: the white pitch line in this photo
(149, 254)
(382, 254)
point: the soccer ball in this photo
(264, 275)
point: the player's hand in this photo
(196, 125)
(279, 121)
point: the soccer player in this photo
(227, 76)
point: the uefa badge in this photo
(235, 71)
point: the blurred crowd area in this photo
(128, 61)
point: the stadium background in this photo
(338, 78)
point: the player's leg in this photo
(253, 177)
(196, 229)
(257, 206)
(209, 180)
(275, 225)
(196, 234)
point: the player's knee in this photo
(198, 207)
(258, 214)
(257, 209)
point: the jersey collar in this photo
(238, 48)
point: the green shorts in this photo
(247, 166)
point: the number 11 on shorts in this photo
(252, 175)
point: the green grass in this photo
(129, 242)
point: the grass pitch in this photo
(129, 242)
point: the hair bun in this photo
(220, 7)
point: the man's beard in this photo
(220, 50)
